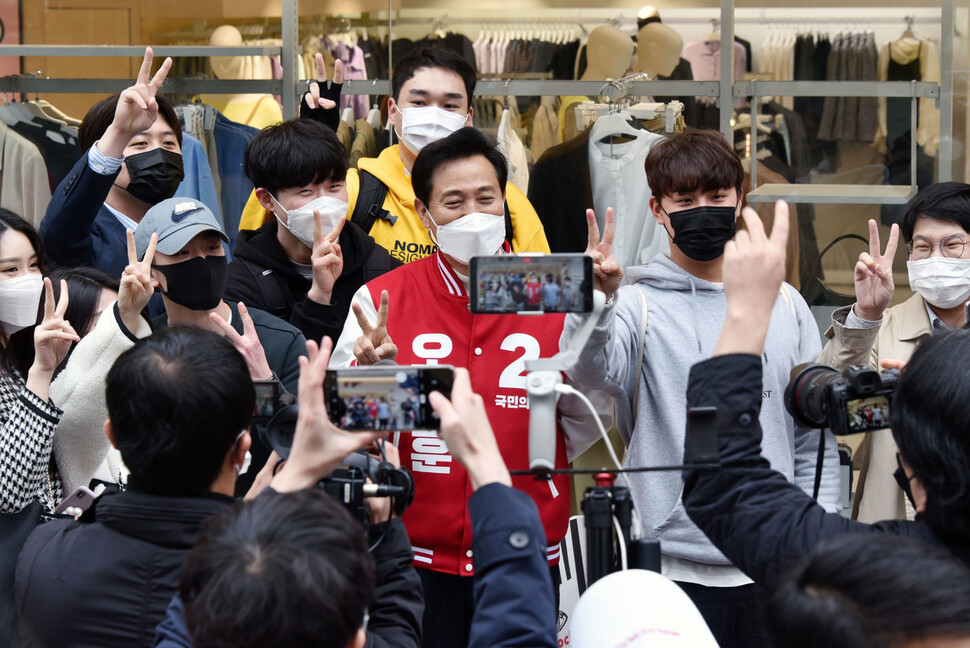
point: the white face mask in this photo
(300, 221)
(942, 282)
(474, 234)
(19, 301)
(422, 125)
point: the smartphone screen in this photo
(385, 397)
(267, 399)
(531, 284)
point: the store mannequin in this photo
(647, 14)
(608, 54)
(257, 110)
(658, 49)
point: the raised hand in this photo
(874, 275)
(327, 260)
(319, 446)
(466, 430)
(54, 335)
(137, 108)
(754, 268)
(374, 344)
(247, 344)
(137, 285)
(312, 96)
(607, 273)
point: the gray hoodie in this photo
(685, 316)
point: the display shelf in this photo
(833, 193)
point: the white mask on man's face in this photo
(421, 125)
(300, 221)
(943, 282)
(474, 234)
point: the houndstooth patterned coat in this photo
(27, 424)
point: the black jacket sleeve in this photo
(66, 227)
(514, 600)
(394, 620)
(326, 116)
(755, 516)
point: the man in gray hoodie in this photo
(672, 313)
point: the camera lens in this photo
(805, 397)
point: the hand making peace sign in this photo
(327, 260)
(874, 275)
(313, 96)
(137, 108)
(607, 273)
(137, 285)
(247, 344)
(374, 344)
(54, 335)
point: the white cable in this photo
(563, 388)
(621, 542)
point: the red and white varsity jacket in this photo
(429, 321)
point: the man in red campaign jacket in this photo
(424, 319)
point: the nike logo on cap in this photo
(183, 209)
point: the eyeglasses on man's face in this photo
(951, 247)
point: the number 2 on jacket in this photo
(433, 347)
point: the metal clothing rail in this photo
(137, 51)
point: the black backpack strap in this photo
(508, 225)
(276, 298)
(370, 202)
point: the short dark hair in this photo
(84, 287)
(693, 160)
(285, 569)
(464, 143)
(870, 590)
(177, 400)
(294, 153)
(945, 201)
(17, 351)
(432, 57)
(97, 120)
(929, 423)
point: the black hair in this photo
(177, 400)
(870, 591)
(929, 423)
(294, 153)
(101, 114)
(285, 569)
(945, 201)
(432, 57)
(691, 160)
(464, 143)
(17, 350)
(84, 288)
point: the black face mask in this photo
(701, 232)
(900, 476)
(154, 175)
(197, 284)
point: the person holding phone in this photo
(424, 318)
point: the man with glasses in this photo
(936, 228)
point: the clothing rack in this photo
(290, 87)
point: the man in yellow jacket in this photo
(430, 98)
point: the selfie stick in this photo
(545, 374)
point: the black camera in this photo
(856, 400)
(276, 415)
